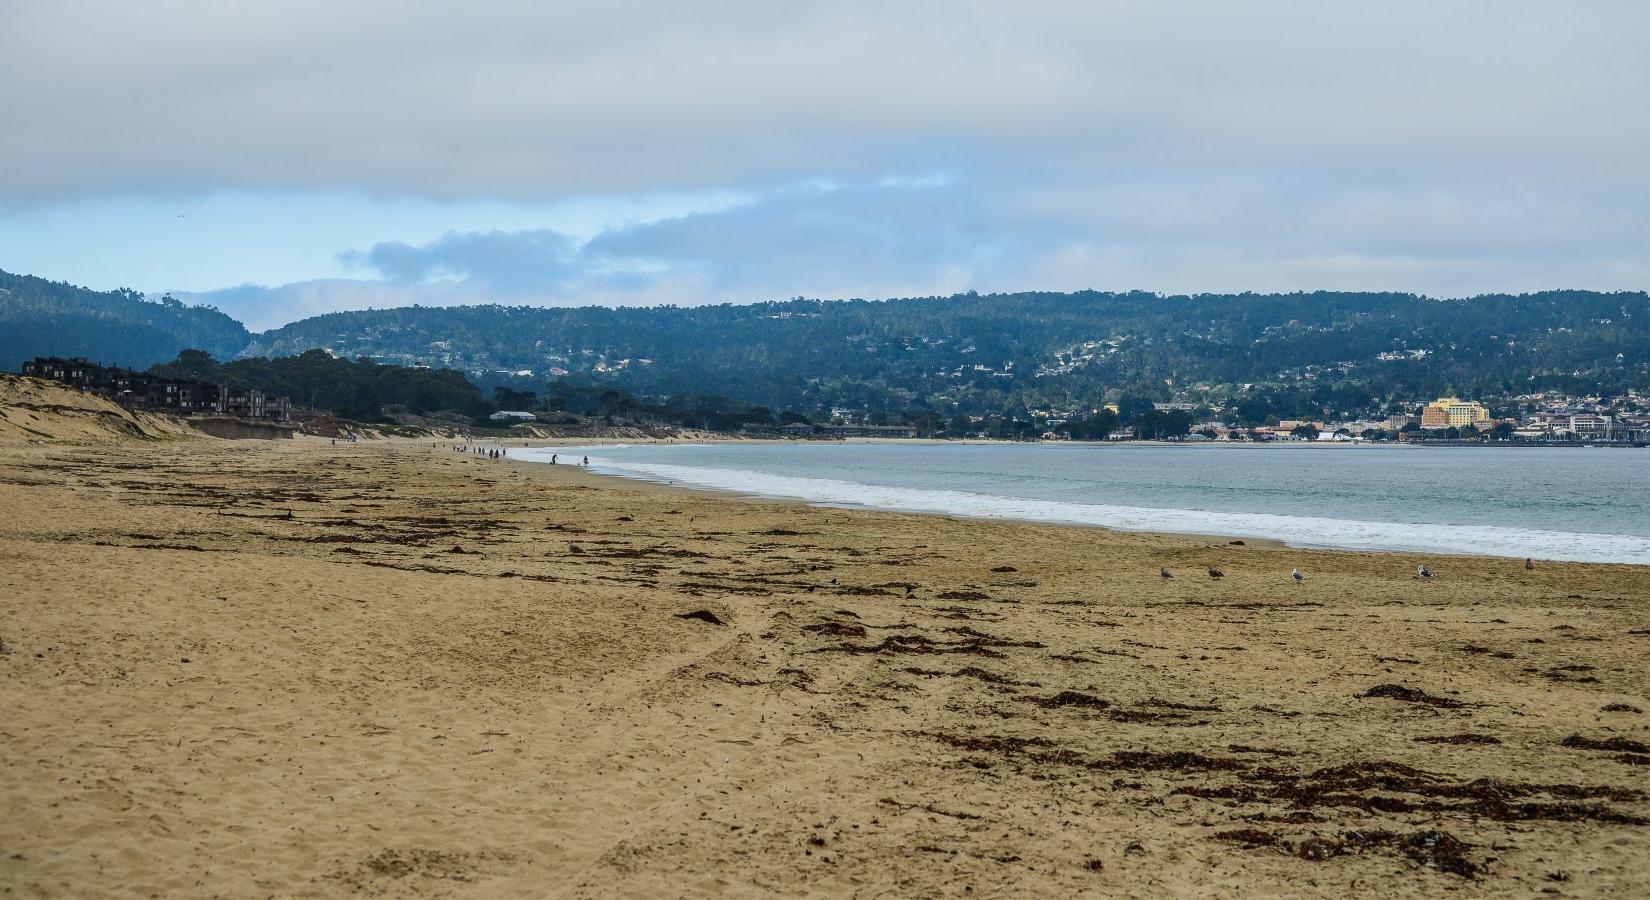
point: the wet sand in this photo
(289, 669)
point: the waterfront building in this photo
(1592, 426)
(1448, 412)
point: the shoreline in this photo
(1339, 445)
(1238, 536)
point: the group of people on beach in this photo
(500, 452)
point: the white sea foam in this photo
(1302, 531)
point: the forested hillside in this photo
(50, 318)
(1256, 355)
(357, 389)
(1285, 354)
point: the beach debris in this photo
(1374, 786)
(1004, 569)
(962, 595)
(1459, 739)
(1216, 573)
(1620, 707)
(1437, 850)
(1171, 704)
(1410, 695)
(970, 672)
(1423, 573)
(702, 615)
(974, 642)
(1612, 745)
(857, 590)
(1296, 574)
(836, 629)
(1163, 572)
(1069, 698)
(574, 548)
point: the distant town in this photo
(1552, 419)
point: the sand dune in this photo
(33, 410)
(250, 669)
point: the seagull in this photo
(1163, 572)
(1216, 573)
(1529, 563)
(1423, 573)
(1296, 574)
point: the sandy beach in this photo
(253, 669)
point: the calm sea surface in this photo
(1550, 503)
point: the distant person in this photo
(553, 459)
(587, 460)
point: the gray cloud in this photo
(537, 101)
(925, 236)
(834, 238)
(515, 261)
(1450, 148)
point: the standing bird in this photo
(1423, 573)
(1163, 572)
(1529, 563)
(1296, 574)
(1216, 573)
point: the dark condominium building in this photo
(140, 390)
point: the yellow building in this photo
(1446, 412)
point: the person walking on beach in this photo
(587, 460)
(553, 458)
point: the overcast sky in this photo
(284, 159)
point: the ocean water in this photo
(1590, 505)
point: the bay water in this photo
(1589, 505)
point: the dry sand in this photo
(287, 669)
(36, 410)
